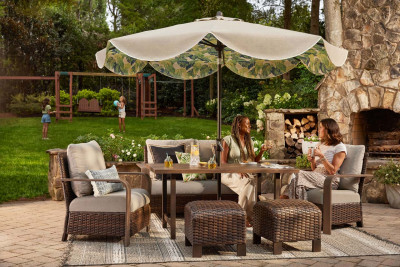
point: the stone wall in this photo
(370, 77)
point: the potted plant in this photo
(303, 163)
(308, 142)
(389, 175)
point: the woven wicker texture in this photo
(343, 213)
(215, 223)
(98, 223)
(286, 220)
(182, 200)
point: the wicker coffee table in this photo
(287, 220)
(215, 222)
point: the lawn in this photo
(23, 157)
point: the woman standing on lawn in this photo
(238, 147)
(46, 111)
(121, 112)
(327, 159)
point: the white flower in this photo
(112, 136)
(286, 96)
(128, 153)
(263, 158)
(246, 104)
(134, 155)
(267, 99)
(139, 145)
(261, 114)
(120, 160)
(123, 151)
(207, 137)
(259, 123)
(133, 145)
(255, 149)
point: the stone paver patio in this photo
(30, 235)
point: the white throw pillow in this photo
(104, 188)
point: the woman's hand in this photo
(318, 153)
(264, 148)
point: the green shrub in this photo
(107, 97)
(29, 104)
(388, 173)
(302, 162)
(85, 93)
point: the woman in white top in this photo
(327, 159)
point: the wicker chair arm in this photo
(341, 176)
(124, 183)
(145, 181)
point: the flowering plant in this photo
(257, 148)
(312, 138)
(388, 173)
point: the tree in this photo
(333, 22)
(314, 27)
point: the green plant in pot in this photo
(389, 175)
(302, 162)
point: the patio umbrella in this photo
(200, 48)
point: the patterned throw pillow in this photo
(185, 158)
(103, 188)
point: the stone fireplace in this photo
(366, 88)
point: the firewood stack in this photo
(384, 141)
(295, 132)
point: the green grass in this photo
(24, 161)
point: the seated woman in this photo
(327, 159)
(238, 147)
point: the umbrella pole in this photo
(219, 48)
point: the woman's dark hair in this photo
(45, 102)
(332, 132)
(235, 132)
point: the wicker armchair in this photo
(128, 218)
(343, 205)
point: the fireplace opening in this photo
(379, 131)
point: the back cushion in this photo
(150, 142)
(352, 165)
(206, 148)
(159, 153)
(83, 157)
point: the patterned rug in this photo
(156, 246)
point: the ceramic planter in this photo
(393, 195)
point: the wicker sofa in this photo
(185, 191)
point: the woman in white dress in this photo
(327, 159)
(238, 147)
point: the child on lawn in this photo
(46, 111)
(121, 112)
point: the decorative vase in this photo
(393, 195)
(307, 144)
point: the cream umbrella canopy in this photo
(200, 48)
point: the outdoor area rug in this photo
(156, 246)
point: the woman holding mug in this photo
(325, 159)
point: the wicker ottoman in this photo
(215, 222)
(287, 220)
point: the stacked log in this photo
(384, 141)
(296, 130)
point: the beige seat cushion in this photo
(83, 157)
(338, 196)
(191, 188)
(113, 202)
(352, 165)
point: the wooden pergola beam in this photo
(26, 78)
